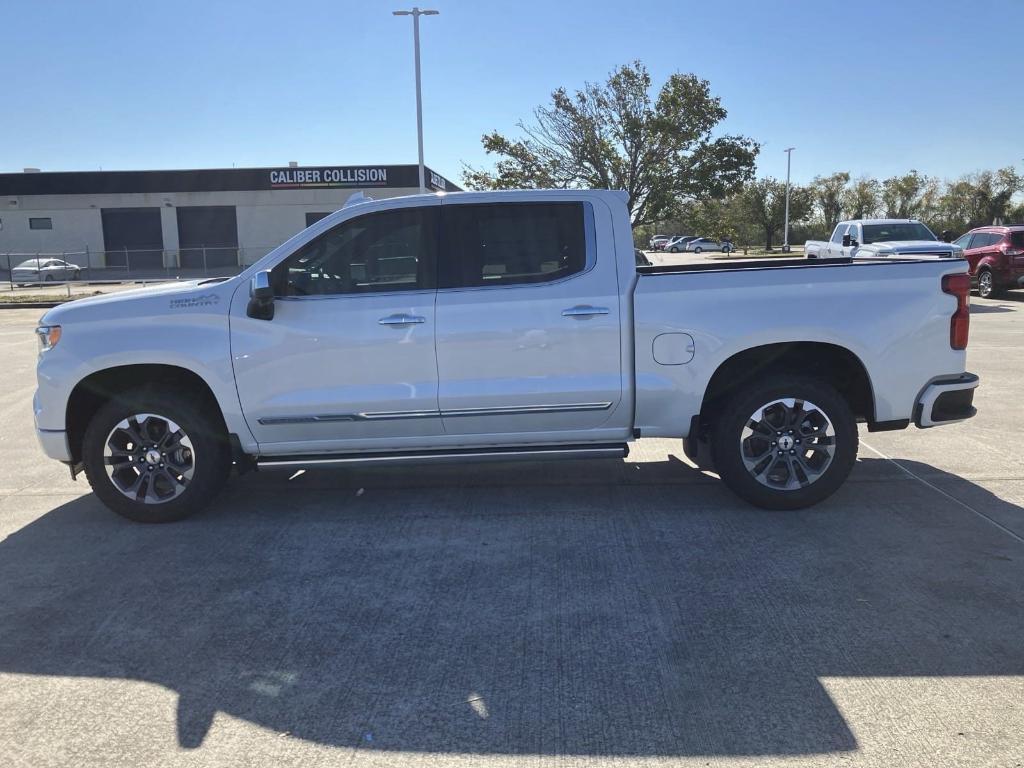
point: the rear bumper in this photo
(946, 400)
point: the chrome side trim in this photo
(501, 454)
(327, 418)
(512, 410)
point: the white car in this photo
(701, 244)
(678, 243)
(44, 270)
(497, 326)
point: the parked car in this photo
(881, 237)
(677, 244)
(659, 241)
(44, 270)
(701, 244)
(496, 326)
(996, 258)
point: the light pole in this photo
(785, 237)
(416, 13)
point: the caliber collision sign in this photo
(309, 178)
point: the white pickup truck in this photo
(882, 238)
(505, 325)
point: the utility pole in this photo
(416, 13)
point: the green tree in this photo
(909, 196)
(862, 199)
(979, 199)
(828, 193)
(763, 201)
(614, 135)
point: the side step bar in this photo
(512, 453)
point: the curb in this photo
(30, 304)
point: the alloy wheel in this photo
(149, 458)
(788, 444)
(985, 284)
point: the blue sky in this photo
(871, 87)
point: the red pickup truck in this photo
(996, 256)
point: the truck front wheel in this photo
(155, 457)
(786, 443)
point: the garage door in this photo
(208, 236)
(132, 237)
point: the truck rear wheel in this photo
(155, 457)
(786, 443)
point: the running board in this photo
(513, 453)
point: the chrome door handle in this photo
(581, 310)
(401, 320)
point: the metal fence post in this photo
(206, 272)
(88, 264)
(10, 274)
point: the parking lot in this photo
(602, 613)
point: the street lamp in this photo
(785, 238)
(416, 13)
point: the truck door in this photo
(835, 245)
(855, 236)
(528, 326)
(348, 359)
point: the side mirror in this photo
(261, 297)
(847, 241)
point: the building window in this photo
(40, 223)
(313, 218)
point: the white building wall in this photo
(266, 218)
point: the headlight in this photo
(48, 336)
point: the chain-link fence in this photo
(67, 268)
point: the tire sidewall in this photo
(210, 448)
(735, 414)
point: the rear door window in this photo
(511, 243)
(1017, 239)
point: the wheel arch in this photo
(103, 385)
(830, 362)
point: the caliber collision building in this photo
(205, 219)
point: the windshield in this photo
(904, 230)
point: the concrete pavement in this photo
(602, 613)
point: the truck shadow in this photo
(595, 609)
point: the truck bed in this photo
(723, 265)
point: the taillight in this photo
(960, 322)
(1009, 250)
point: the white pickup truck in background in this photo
(494, 326)
(881, 238)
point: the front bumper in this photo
(946, 400)
(55, 444)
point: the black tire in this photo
(673, 249)
(987, 284)
(698, 249)
(76, 275)
(208, 454)
(728, 445)
(48, 279)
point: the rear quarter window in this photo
(1017, 239)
